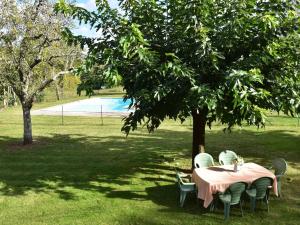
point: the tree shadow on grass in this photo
(78, 161)
(141, 164)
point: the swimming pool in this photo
(89, 107)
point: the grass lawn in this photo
(85, 173)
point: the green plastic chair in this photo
(185, 186)
(203, 160)
(280, 167)
(232, 196)
(259, 190)
(226, 157)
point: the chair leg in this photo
(267, 203)
(197, 200)
(212, 206)
(253, 202)
(226, 210)
(279, 187)
(241, 208)
(182, 198)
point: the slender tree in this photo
(226, 60)
(31, 50)
(4, 96)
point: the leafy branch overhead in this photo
(227, 60)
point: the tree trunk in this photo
(5, 101)
(27, 137)
(199, 122)
(15, 99)
(57, 92)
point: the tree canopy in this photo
(226, 60)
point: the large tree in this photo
(225, 60)
(32, 53)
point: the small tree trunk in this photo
(199, 122)
(15, 99)
(57, 92)
(62, 90)
(61, 86)
(27, 137)
(5, 101)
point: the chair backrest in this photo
(186, 184)
(203, 160)
(178, 179)
(236, 190)
(280, 166)
(262, 185)
(226, 157)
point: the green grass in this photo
(85, 173)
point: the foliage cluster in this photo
(226, 59)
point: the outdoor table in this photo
(211, 180)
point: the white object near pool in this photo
(89, 107)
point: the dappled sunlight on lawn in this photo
(85, 163)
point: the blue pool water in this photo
(92, 105)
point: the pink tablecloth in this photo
(218, 178)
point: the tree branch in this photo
(48, 81)
(15, 87)
(36, 61)
(45, 43)
(37, 4)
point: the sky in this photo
(90, 5)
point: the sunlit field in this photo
(83, 172)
